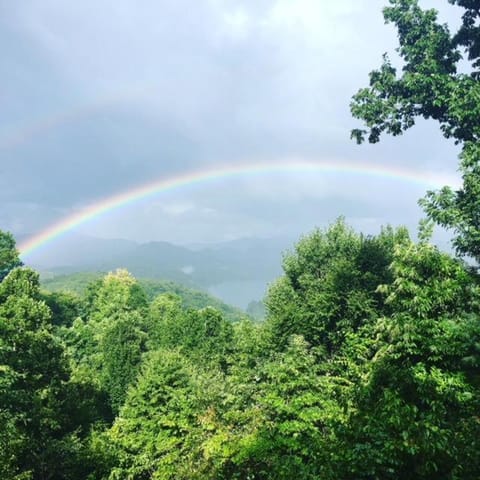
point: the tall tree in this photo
(159, 429)
(291, 420)
(9, 258)
(38, 439)
(121, 348)
(107, 344)
(415, 406)
(431, 86)
(329, 286)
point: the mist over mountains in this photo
(237, 271)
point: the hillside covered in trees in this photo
(367, 365)
(78, 283)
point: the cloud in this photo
(176, 209)
(188, 269)
(101, 96)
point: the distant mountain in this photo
(237, 271)
(76, 250)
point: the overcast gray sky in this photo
(100, 96)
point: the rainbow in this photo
(221, 172)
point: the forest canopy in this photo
(366, 367)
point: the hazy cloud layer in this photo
(99, 96)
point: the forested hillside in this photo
(78, 283)
(367, 366)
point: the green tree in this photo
(414, 414)
(159, 430)
(107, 344)
(39, 437)
(468, 33)
(203, 334)
(121, 348)
(9, 258)
(430, 86)
(460, 210)
(329, 286)
(294, 432)
(164, 315)
(116, 293)
(65, 307)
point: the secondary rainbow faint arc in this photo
(21, 134)
(217, 173)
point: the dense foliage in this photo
(367, 366)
